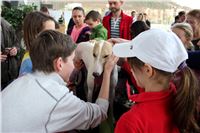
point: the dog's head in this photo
(101, 51)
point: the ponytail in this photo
(186, 111)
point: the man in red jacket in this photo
(116, 22)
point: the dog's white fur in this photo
(94, 55)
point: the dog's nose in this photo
(95, 74)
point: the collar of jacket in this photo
(99, 26)
(53, 76)
(154, 96)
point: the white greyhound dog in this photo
(94, 54)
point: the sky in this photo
(195, 4)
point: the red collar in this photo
(153, 96)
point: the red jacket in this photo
(151, 113)
(125, 25)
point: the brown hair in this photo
(186, 113)
(48, 46)
(186, 28)
(195, 13)
(94, 15)
(138, 27)
(33, 24)
(44, 9)
(185, 110)
(80, 9)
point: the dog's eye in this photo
(105, 56)
(94, 55)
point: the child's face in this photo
(138, 75)
(143, 75)
(67, 67)
(181, 34)
(78, 17)
(92, 23)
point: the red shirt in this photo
(124, 26)
(150, 114)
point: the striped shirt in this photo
(115, 25)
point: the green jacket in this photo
(99, 33)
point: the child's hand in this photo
(198, 43)
(88, 32)
(117, 40)
(110, 63)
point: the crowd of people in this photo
(158, 89)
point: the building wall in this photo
(159, 11)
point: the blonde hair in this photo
(187, 29)
(195, 13)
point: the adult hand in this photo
(13, 51)
(198, 43)
(3, 57)
(110, 63)
(117, 40)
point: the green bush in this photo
(16, 14)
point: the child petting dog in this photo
(155, 57)
(41, 102)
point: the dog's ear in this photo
(108, 43)
(93, 41)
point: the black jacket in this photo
(9, 68)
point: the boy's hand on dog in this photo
(117, 40)
(110, 63)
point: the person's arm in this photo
(193, 60)
(104, 92)
(15, 49)
(26, 67)
(101, 35)
(117, 40)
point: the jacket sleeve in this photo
(193, 60)
(102, 35)
(72, 113)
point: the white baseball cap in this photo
(160, 49)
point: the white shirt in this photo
(41, 103)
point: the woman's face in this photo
(78, 17)
(195, 24)
(140, 17)
(181, 34)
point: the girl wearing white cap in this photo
(155, 56)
